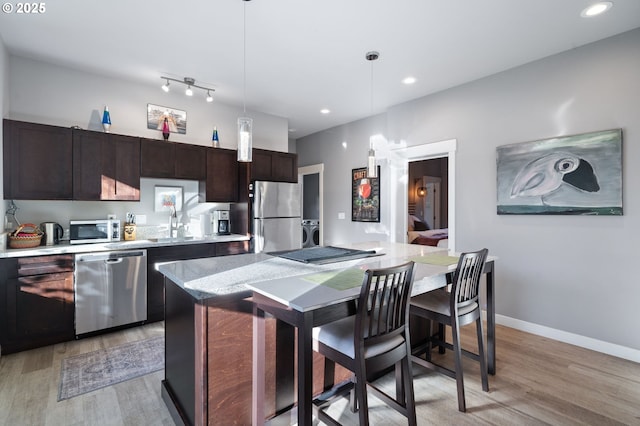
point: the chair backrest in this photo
(466, 279)
(383, 306)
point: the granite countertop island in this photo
(209, 330)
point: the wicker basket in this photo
(27, 235)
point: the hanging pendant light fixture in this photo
(245, 124)
(372, 170)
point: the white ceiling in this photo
(304, 55)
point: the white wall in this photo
(45, 93)
(573, 274)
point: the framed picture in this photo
(365, 196)
(568, 175)
(167, 196)
(177, 118)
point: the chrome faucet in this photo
(173, 222)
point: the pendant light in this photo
(245, 124)
(372, 170)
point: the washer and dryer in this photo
(310, 233)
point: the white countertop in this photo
(210, 277)
(66, 248)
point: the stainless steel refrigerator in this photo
(277, 221)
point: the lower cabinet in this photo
(155, 280)
(36, 302)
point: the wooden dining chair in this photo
(455, 308)
(373, 340)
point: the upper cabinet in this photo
(105, 166)
(160, 159)
(274, 166)
(221, 184)
(37, 161)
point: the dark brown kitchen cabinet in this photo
(155, 280)
(221, 184)
(274, 166)
(37, 161)
(157, 158)
(36, 302)
(191, 162)
(105, 166)
(160, 159)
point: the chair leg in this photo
(408, 393)
(481, 354)
(441, 336)
(457, 350)
(400, 385)
(329, 373)
(361, 393)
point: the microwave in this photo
(94, 231)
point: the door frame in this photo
(312, 170)
(399, 170)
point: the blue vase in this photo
(106, 119)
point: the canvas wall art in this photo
(176, 118)
(568, 175)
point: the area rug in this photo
(95, 370)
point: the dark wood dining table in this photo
(305, 302)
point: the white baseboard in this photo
(571, 338)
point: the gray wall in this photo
(575, 275)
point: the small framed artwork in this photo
(365, 196)
(566, 175)
(176, 118)
(166, 197)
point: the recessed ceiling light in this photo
(292, 130)
(325, 111)
(408, 80)
(596, 9)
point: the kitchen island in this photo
(209, 332)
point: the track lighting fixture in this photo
(190, 83)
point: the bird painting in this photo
(546, 174)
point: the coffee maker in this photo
(220, 222)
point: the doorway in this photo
(311, 181)
(399, 170)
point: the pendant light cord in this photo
(244, 57)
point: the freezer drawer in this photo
(276, 234)
(110, 290)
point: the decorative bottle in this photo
(165, 129)
(106, 119)
(214, 139)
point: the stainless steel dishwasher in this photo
(110, 289)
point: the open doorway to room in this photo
(428, 206)
(310, 179)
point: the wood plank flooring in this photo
(538, 382)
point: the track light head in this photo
(188, 92)
(165, 86)
(209, 97)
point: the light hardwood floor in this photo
(539, 381)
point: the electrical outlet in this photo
(341, 215)
(111, 216)
(141, 219)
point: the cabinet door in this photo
(105, 166)
(261, 165)
(222, 176)
(39, 311)
(284, 167)
(37, 161)
(157, 158)
(88, 162)
(127, 169)
(190, 162)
